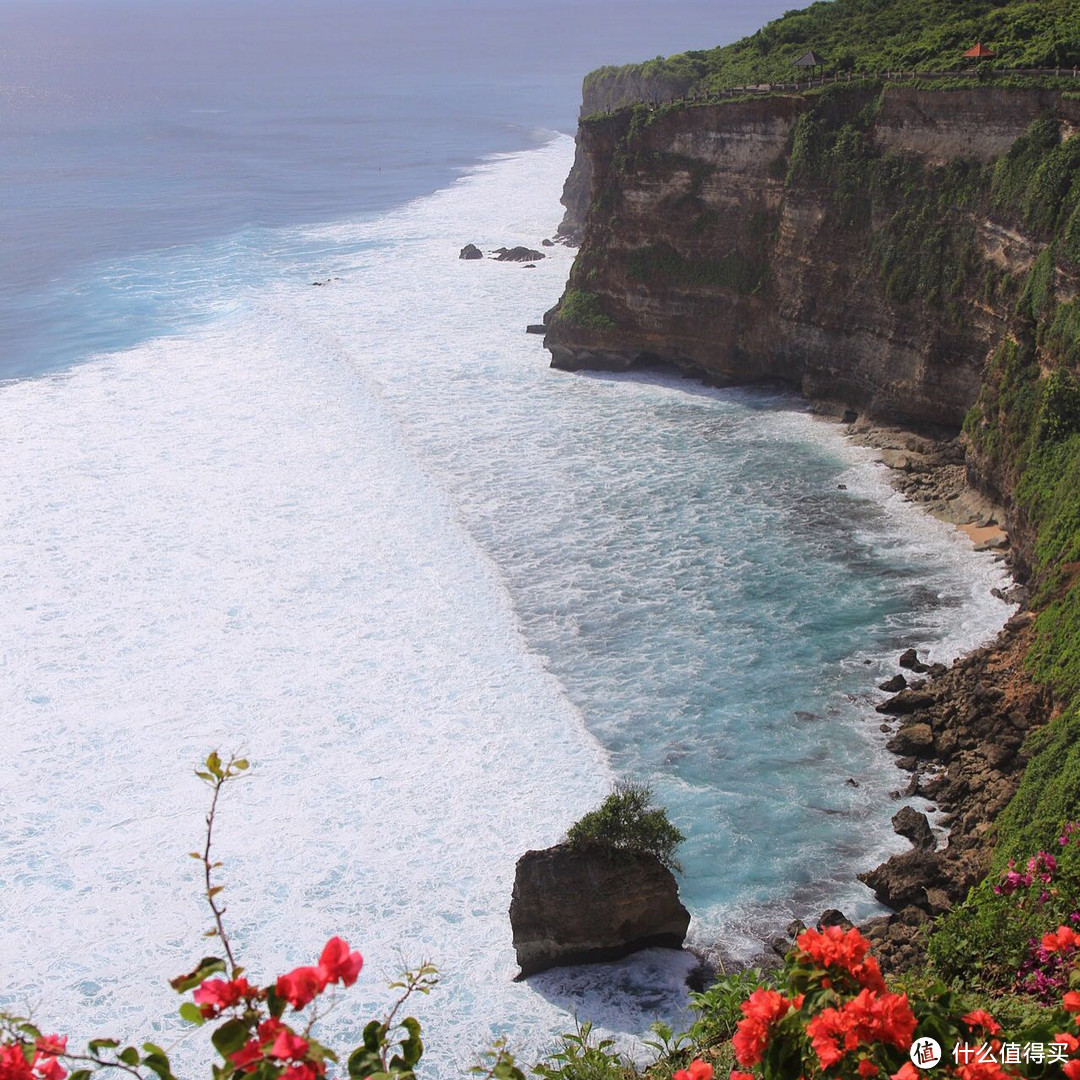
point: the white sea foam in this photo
(363, 533)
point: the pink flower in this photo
(1071, 1001)
(214, 995)
(288, 1046)
(337, 963)
(301, 986)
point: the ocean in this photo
(441, 595)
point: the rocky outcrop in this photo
(518, 254)
(471, 251)
(702, 248)
(573, 905)
(964, 749)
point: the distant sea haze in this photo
(134, 128)
(440, 595)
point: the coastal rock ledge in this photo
(574, 905)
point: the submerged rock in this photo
(577, 905)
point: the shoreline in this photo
(959, 729)
(955, 730)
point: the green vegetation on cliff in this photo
(874, 35)
(627, 820)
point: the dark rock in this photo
(780, 945)
(891, 686)
(574, 906)
(851, 782)
(850, 416)
(519, 254)
(471, 251)
(529, 266)
(841, 487)
(795, 928)
(914, 740)
(547, 243)
(536, 328)
(913, 826)
(904, 879)
(884, 728)
(910, 659)
(936, 670)
(834, 917)
(907, 701)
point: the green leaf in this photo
(230, 1037)
(79, 1074)
(129, 1055)
(411, 1047)
(208, 965)
(94, 1045)
(363, 1063)
(241, 764)
(191, 1012)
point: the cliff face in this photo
(605, 91)
(791, 238)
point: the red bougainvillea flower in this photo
(736, 1075)
(247, 1055)
(866, 1019)
(1071, 1001)
(867, 1068)
(214, 995)
(907, 1071)
(1072, 1069)
(847, 950)
(1070, 1042)
(301, 986)
(760, 1011)
(269, 1029)
(980, 1018)
(696, 1070)
(48, 1068)
(1063, 938)
(305, 1070)
(984, 1070)
(13, 1063)
(338, 964)
(288, 1046)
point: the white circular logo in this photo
(925, 1053)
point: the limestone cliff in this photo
(605, 91)
(742, 241)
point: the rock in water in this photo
(471, 251)
(913, 826)
(576, 905)
(519, 254)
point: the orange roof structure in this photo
(978, 51)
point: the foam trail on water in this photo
(222, 541)
(364, 534)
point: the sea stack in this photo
(575, 905)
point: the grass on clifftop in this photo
(877, 35)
